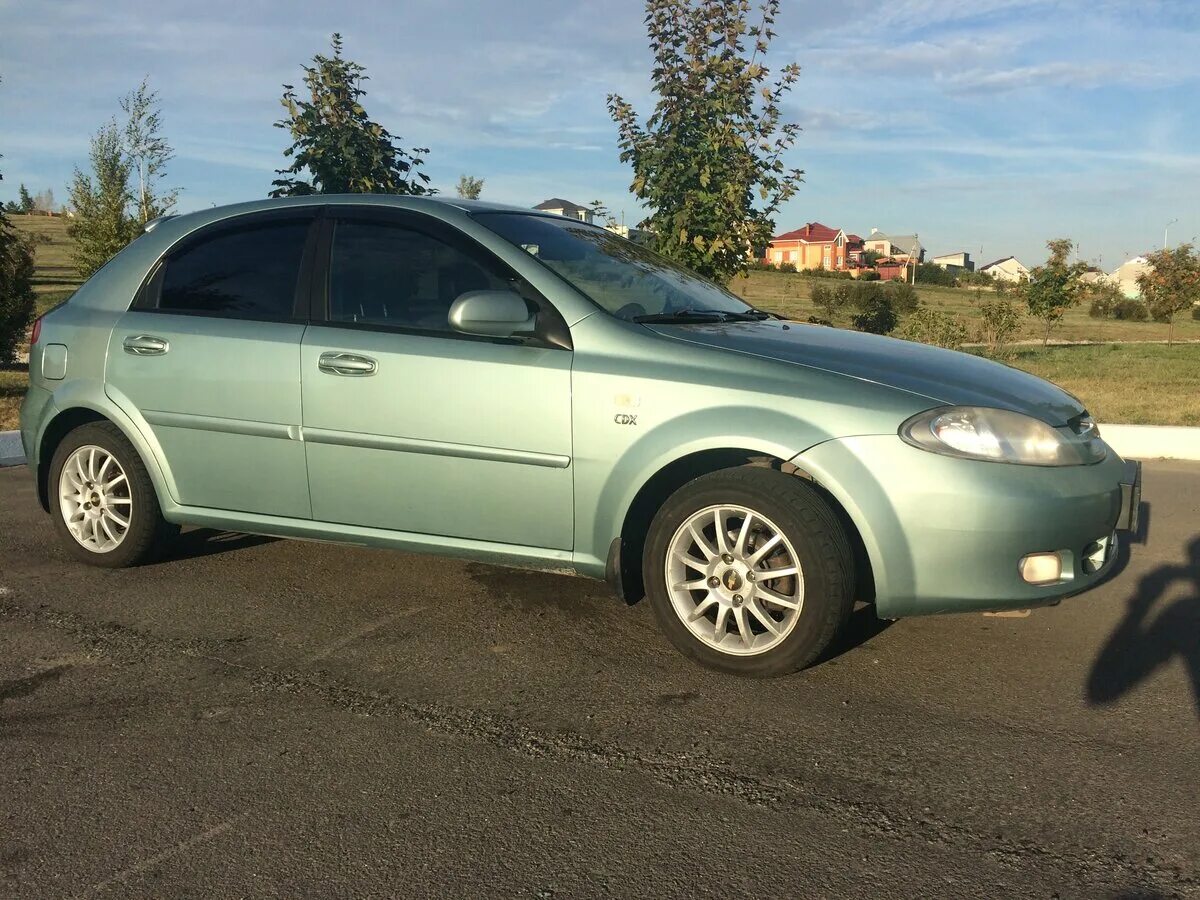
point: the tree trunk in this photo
(1170, 330)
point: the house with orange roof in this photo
(815, 246)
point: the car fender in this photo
(836, 468)
(605, 494)
(111, 404)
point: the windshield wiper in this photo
(691, 316)
(683, 317)
(750, 315)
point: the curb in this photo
(11, 451)
(1153, 441)
(1130, 441)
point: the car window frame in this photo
(552, 329)
(147, 297)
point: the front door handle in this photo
(146, 345)
(346, 364)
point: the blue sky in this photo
(984, 125)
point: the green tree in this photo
(1170, 284)
(147, 153)
(24, 200)
(601, 213)
(1054, 286)
(16, 287)
(708, 161)
(101, 199)
(469, 187)
(335, 144)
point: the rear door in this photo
(412, 426)
(210, 357)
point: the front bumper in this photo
(946, 534)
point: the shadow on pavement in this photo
(207, 541)
(1143, 643)
(862, 627)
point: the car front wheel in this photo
(749, 571)
(103, 500)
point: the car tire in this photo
(103, 466)
(785, 621)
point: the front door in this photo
(210, 358)
(413, 427)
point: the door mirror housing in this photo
(491, 314)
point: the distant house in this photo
(954, 262)
(896, 246)
(891, 269)
(561, 207)
(1007, 269)
(1125, 276)
(854, 251)
(815, 246)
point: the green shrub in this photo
(1196, 313)
(16, 288)
(827, 273)
(869, 275)
(877, 315)
(869, 306)
(999, 321)
(929, 325)
(903, 296)
(786, 267)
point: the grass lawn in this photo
(53, 252)
(13, 382)
(1130, 384)
(790, 295)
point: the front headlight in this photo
(998, 435)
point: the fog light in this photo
(1041, 568)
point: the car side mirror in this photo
(491, 313)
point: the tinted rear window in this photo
(247, 273)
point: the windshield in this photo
(622, 277)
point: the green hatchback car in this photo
(528, 390)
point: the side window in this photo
(246, 273)
(384, 274)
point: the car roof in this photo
(429, 204)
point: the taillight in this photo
(37, 331)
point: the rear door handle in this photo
(146, 345)
(346, 364)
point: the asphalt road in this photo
(267, 718)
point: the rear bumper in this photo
(947, 535)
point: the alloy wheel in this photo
(95, 499)
(734, 580)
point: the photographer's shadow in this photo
(1143, 643)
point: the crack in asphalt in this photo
(126, 645)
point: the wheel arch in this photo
(624, 564)
(71, 416)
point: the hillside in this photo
(55, 268)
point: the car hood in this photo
(943, 376)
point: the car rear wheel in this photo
(103, 501)
(749, 571)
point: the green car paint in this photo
(541, 456)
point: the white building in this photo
(1125, 276)
(954, 261)
(1007, 269)
(561, 207)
